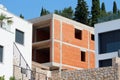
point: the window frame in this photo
(1, 61)
(83, 59)
(21, 43)
(92, 37)
(77, 31)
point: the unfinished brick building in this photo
(59, 42)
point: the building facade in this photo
(15, 44)
(61, 43)
(107, 40)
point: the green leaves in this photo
(95, 11)
(2, 78)
(4, 17)
(81, 12)
(114, 8)
(66, 12)
(44, 12)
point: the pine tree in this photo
(95, 11)
(81, 12)
(66, 12)
(103, 10)
(114, 7)
(103, 7)
(44, 12)
(21, 16)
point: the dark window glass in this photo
(82, 56)
(105, 63)
(78, 34)
(1, 53)
(92, 37)
(109, 41)
(19, 37)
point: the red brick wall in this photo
(92, 60)
(57, 52)
(72, 55)
(57, 29)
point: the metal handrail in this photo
(22, 56)
(27, 66)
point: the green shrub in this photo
(12, 78)
(2, 78)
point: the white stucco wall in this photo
(104, 27)
(7, 39)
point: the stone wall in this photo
(104, 73)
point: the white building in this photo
(15, 45)
(107, 42)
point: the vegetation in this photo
(81, 12)
(44, 12)
(95, 11)
(3, 78)
(66, 12)
(3, 17)
(103, 10)
(21, 16)
(114, 8)
(12, 78)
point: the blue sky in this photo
(31, 8)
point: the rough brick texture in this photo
(71, 52)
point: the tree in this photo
(103, 10)
(3, 17)
(66, 12)
(44, 12)
(81, 12)
(95, 11)
(58, 12)
(21, 16)
(103, 7)
(114, 7)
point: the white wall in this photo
(7, 39)
(104, 27)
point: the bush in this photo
(12, 78)
(2, 78)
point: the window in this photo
(82, 56)
(105, 63)
(1, 53)
(92, 37)
(78, 34)
(19, 37)
(109, 41)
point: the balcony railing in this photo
(109, 18)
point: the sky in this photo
(31, 8)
